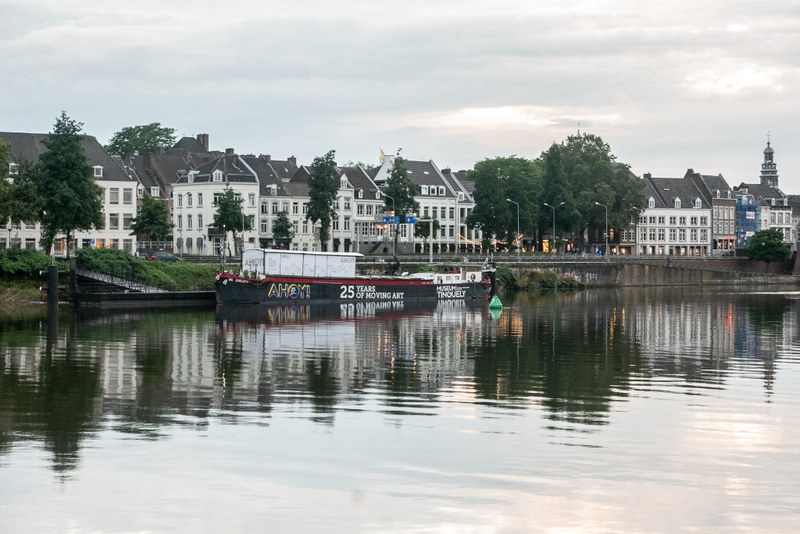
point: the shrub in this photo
(109, 261)
(507, 279)
(21, 263)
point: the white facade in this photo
(674, 231)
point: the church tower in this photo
(769, 171)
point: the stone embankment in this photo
(624, 271)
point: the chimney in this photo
(267, 158)
(446, 170)
(229, 152)
(203, 140)
(646, 176)
(292, 160)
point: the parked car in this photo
(160, 255)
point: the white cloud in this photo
(461, 81)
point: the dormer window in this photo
(217, 175)
(273, 189)
(677, 203)
(343, 183)
(698, 203)
(98, 171)
(424, 190)
(155, 191)
(192, 174)
(441, 190)
(460, 196)
(360, 193)
(717, 193)
(13, 168)
(651, 202)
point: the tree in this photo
(323, 184)
(140, 139)
(422, 229)
(581, 171)
(230, 216)
(400, 193)
(5, 154)
(152, 221)
(72, 201)
(768, 246)
(282, 229)
(496, 180)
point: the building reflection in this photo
(572, 357)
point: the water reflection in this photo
(577, 359)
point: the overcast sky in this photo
(668, 85)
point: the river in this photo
(606, 410)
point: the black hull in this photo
(232, 289)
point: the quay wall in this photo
(628, 271)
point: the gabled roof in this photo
(665, 190)
(709, 185)
(360, 180)
(267, 179)
(763, 192)
(190, 144)
(233, 169)
(29, 146)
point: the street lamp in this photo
(606, 207)
(394, 214)
(636, 227)
(554, 219)
(517, 204)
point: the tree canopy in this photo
(581, 171)
(282, 229)
(400, 193)
(140, 139)
(230, 215)
(768, 246)
(152, 221)
(323, 184)
(498, 180)
(72, 201)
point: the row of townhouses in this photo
(696, 214)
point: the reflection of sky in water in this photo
(610, 411)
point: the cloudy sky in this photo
(667, 84)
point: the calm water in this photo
(610, 411)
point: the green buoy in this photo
(495, 304)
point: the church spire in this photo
(769, 171)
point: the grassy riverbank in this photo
(21, 273)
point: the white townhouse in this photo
(676, 219)
(442, 197)
(193, 205)
(119, 198)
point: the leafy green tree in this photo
(496, 180)
(422, 229)
(400, 193)
(72, 201)
(5, 154)
(140, 139)
(19, 197)
(581, 171)
(152, 221)
(323, 184)
(768, 246)
(282, 229)
(230, 215)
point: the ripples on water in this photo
(644, 410)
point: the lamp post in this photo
(606, 207)
(517, 204)
(553, 237)
(394, 214)
(636, 228)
